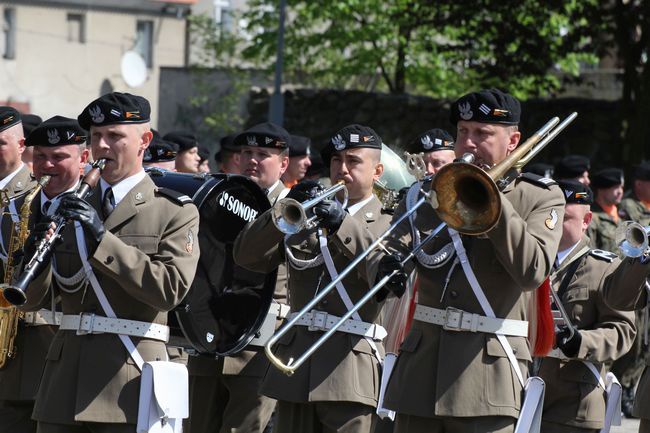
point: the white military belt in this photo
(453, 319)
(278, 310)
(88, 323)
(42, 317)
(322, 321)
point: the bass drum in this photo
(226, 304)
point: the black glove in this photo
(36, 235)
(331, 214)
(305, 190)
(77, 209)
(567, 344)
(397, 283)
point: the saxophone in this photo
(10, 315)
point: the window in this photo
(9, 31)
(223, 15)
(77, 28)
(144, 41)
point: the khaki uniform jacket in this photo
(21, 375)
(573, 396)
(633, 209)
(602, 230)
(21, 182)
(461, 374)
(145, 264)
(344, 368)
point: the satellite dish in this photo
(134, 69)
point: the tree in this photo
(438, 48)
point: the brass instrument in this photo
(10, 315)
(632, 239)
(473, 209)
(395, 177)
(15, 292)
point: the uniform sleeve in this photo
(527, 247)
(161, 279)
(257, 247)
(625, 287)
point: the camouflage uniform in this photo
(602, 230)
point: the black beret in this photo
(642, 171)
(227, 144)
(114, 108)
(430, 141)
(576, 192)
(30, 121)
(571, 166)
(204, 153)
(299, 146)
(607, 177)
(487, 106)
(264, 135)
(350, 137)
(539, 168)
(184, 139)
(9, 117)
(160, 150)
(56, 131)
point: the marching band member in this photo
(15, 176)
(160, 153)
(140, 244)
(225, 392)
(454, 374)
(29, 121)
(299, 160)
(574, 374)
(437, 148)
(337, 388)
(59, 146)
(187, 156)
(227, 158)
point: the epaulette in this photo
(175, 196)
(538, 180)
(603, 255)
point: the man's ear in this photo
(379, 170)
(514, 138)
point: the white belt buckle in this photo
(318, 321)
(80, 328)
(453, 319)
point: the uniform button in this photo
(109, 260)
(453, 294)
(347, 240)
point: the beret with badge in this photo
(576, 192)
(114, 108)
(571, 166)
(159, 150)
(642, 171)
(9, 117)
(30, 121)
(607, 178)
(486, 106)
(351, 137)
(299, 146)
(265, 134)
(185, 140)
(430, 141)
(56, 131)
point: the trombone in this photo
(290, 216)
(477, 214)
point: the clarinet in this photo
(15, 293)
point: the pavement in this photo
(627, 426)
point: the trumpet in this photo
(15, 293)
(290, 216)
(476, 214)
(632, 239)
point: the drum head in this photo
(227, 304)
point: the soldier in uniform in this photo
(574, 375)
(453, 373)
(15, 176)
(224, 392)
(437, 148)
(299, 160)
(29, 121)
(573, 167)
(607, 185)
(227, 158)
(204, 161)
(187, 158)
(636, 206)
(139, 241)
(337, 388)
(160, 153)
(60, 151)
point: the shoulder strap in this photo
(175, 196)
(571, 270)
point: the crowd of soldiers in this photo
(473, 302)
